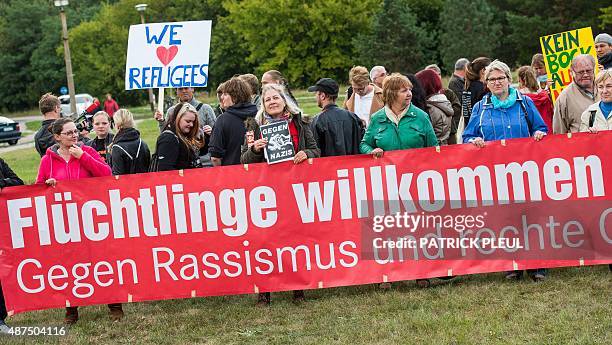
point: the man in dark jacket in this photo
(228, 133)
(50, 109)
(457, 81)
(337, 131)
(603, 47)
(7, 179)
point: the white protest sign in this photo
(168, 55)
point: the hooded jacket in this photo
(228, 133)
(490, 124)
(441, 114)
(52, 165)
(129, 154)
(600, 123)
(306, 141)
(544, 105)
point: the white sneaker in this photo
(4, 329)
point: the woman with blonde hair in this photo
(129, 154)
(598, 116)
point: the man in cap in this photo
(603, 48)
(337, 131)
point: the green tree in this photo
(304, 40)
(29, 37)
(468, 30)
(395, 41)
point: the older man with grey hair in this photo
(377, 75)
(577, 96)
(457, 81)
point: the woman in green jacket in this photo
(399, 125)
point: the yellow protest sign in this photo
(559, 50)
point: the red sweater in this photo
(52, 165)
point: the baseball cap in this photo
(325, 85)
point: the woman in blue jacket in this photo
(505, 114)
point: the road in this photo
(27, 138)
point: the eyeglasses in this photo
(585, 72)
(495, 80)
(71, 133)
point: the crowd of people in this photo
(382, 112)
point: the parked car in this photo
(83, 100)
(9, 131)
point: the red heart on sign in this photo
(165, 55)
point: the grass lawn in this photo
(571, 307)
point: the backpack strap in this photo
(199, 106)
(592, 118)
(524, 109)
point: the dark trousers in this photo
(3, 313)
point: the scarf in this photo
(605, 107)
(507, 103)
(285, 117)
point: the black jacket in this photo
(7, 177)
(173, 154)
(129, 154)
(43, 139)
(228, 134)
(102, 151)
(306, 141)
(338, 132)
(457, 84)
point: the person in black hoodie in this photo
(181, 142)
(7, 179)
(228, 134)
(129, 154)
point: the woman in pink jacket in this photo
(70, 159)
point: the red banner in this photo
(330, 222)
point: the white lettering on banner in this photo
(59, 278)
(558, 185)
(316, 201)
(231, 205)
